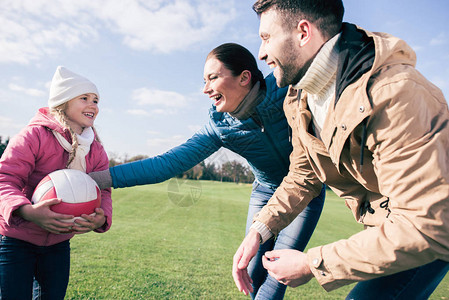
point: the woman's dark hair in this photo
(237, 59)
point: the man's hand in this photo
(247, 250)
(288, 266)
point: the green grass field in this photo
(165, 244)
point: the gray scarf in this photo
(247, 107)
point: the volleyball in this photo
(79, 193)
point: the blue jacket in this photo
(265, 146)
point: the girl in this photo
(247, 118)
(34, 245)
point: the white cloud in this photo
(163, 112)
(27, 91)
(138, 112)
(417, 48)
(194, 128)
(32, 29)
(9, 126)
(28, 34)
(172, 26)
(160, 145)
(153, 112)
(439, 40)
(155, 97)
(153, 132)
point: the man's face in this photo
(280, 49)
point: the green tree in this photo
(234, 171)
(210, 171)
(3, 145)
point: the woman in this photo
(247, 118)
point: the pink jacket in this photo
(29, 157)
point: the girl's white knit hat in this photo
(67, 85)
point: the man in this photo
(369, 125)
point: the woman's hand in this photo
(247, 250)
(49, 220)
(89, 222)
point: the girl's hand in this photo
(49, 220)
(89, 222)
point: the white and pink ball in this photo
(79, 192)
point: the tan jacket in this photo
(406, 161)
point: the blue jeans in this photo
(418, 283)
(23, 264)
(294, 236)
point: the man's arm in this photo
(298, 188)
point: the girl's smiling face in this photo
(81, 111)
(226, 90)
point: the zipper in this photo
(256, 120)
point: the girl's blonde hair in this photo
(60, 115)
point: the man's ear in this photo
(304, 32)
(245, 78)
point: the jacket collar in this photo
(356, 56)
(44, 118)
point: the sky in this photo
(147, 57)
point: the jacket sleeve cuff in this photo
(105, 226)
(102, 178)
(8, 212)
(322, 272)
(265, 233)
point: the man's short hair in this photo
(326, 15)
